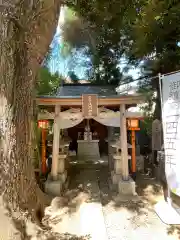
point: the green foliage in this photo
(154, 38)
(147, 125)
(140, 30)
(77, 33)
(147, 89)
(75, 30)
(47, 83)
(70, 14)
(156, 34)
(100, 27)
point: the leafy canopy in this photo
(99, 27)
(47, 83)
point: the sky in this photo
(58, 63)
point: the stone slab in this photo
(127, 187)
(140, 163)
(88, 149)
(72, 153)
(121, 198)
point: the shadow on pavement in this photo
(90, 183)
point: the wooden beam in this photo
(133, 142)
(102, 101)
(46, 116)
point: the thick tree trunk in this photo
(26, 30)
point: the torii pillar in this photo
(54, 185)
(126, 185)
(123, 140)
(55, 150)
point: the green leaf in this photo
(47, 83)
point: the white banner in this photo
(171, 129)
(72, 117)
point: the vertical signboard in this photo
(156, 135)
(89, 105)
(171, 128)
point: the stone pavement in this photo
(92, 209)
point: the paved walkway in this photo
(92, 209)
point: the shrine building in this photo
(92, 121)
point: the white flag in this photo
(171, 129)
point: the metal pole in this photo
(133, 140)
(43, 153)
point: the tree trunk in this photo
(26, 30)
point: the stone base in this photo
(115, 177)
(122, 198)
(53, 188)
(159, 174)
(62, 177)
(127, 187)
(139, 163)
(88, 150)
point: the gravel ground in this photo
(129, 219)
(90, 196)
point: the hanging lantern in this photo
(44, 124)
(133, 124)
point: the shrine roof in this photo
(71, 95)
(76, 90)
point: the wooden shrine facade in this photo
(54, 105)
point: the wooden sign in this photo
(156, 135)
(89, 105)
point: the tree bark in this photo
(26, 30)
